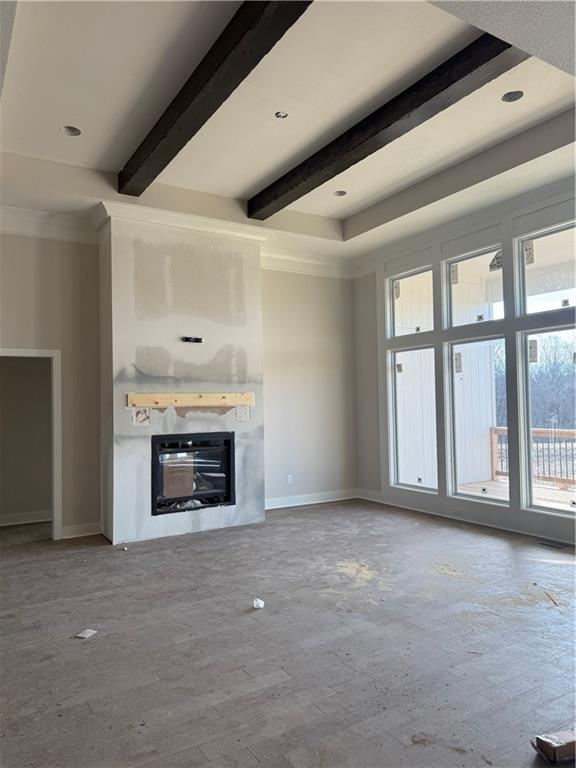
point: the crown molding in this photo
(81, 229)
(45, 225)
(560, 191)
(306, 264)
(140, 214)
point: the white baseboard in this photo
(84, 529)
(40, 516)
(280, 502)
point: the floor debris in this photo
(557, 747)
(446, 569)
(86, 633)
(258, 603)
(358, 571)
(422, 740)
(552, 598)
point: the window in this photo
(480, 434)
(476, 288)
(412, 310)
(552, 419)
(549, 271)
(507, 346)
(415, 418)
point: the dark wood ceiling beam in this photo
(252, 32)
(467, 71)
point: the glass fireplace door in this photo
(191, 471)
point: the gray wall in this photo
(367, 398)
(161, 283)
(49, 300)
(309, 384)
(25, 440)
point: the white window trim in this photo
(512, 227)
(390, 320)
(450, 426)
(525, 421)
(393, 430)
(446, 277)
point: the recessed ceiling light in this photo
(340, 193)
(512, 96)
(281, 115)
(70, 130)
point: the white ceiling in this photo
(549, 169)
(465, 129)
(336, 65)
(112, 67)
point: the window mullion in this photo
(512, 301)
(439, 299)
(383, 309)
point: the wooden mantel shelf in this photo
(189, 399)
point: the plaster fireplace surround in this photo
(160, 282)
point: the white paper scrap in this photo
(86, 633)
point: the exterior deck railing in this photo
(553, 454)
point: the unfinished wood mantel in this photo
(189, 399)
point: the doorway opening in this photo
(30, 445)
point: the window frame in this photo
(473, 236)
(391, 315)
(393, 432)
(452, 464)
(447, 279)
(521, 304)
(526, 419)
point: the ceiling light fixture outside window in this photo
(511, 96)
(70, 130)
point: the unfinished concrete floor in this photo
(388, 638)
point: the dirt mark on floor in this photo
(427, 740)
(358, 572)
(445, 569)
(361, 574)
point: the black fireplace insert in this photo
(192, 471)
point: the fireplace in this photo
(192, 471)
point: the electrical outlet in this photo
(289, 479)
(242, 413)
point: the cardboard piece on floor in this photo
(557, 747)
(86, 633)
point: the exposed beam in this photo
(253, 31)
(471, 68)
(546, 151)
